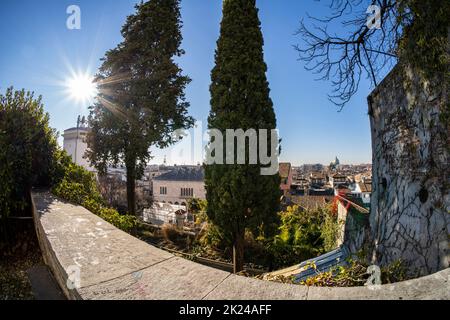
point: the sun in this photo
(81, 87)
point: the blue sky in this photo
(38, 53)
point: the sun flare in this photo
(81, 87)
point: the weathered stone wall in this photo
(111, 264)
(410, 217)
(354, 228)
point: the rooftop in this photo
(317, 175)
(183, 173)
(75, 128)
(311, 202)
(365, 186)
(339, 175)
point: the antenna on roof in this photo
(81, 122)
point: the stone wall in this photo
(111, 264)
(410, 217)
(354, 228)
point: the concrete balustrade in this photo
(112, 264)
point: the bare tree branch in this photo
(360, 50)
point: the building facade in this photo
(337, 179)
(285, 170)
(363, 190)
(179, 185)
(75, 145)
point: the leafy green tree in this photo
(238, 196)
(141, 97)
(29, 155)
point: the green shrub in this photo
(395, 272)
(27, 144)
(29, 156)
(123, 222)
(355, 274)
(80, 187)
(330, 230)
(212, 237)
(197, 206)
(303, 235)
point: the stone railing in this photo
(91, 259)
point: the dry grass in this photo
(170, 232)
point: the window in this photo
(187, 192)
(162, 190)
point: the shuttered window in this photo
(187, 192)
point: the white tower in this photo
(75, 144)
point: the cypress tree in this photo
(239, 197)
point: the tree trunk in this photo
(238, 252)
(131, 190)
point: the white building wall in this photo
(75, 145)
(364, 196)
(174, 190)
